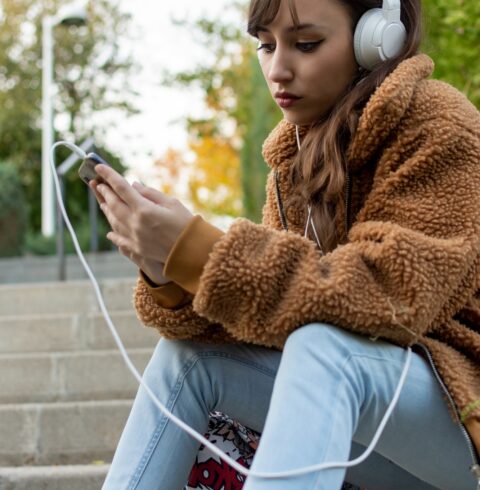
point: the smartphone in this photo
(87, 168)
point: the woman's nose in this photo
(280, 69)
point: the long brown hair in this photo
(319, 170)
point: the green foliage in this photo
(37, 244)
(263, 115)
(221, 76)
(453, 40)
(91, 74)
(13, 212)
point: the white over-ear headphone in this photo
(379, 35)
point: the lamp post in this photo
(68, 15)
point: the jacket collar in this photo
(381, 115)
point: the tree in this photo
(13, 211)
(214, 182)
(263, 117)
(91, 74)
(453, 40)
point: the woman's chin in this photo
(305, 115)
(298, 119)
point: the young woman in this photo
(370, 243)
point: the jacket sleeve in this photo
(168, 308)
(411, 258)
(179, 322)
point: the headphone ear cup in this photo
(366, 53)
(376, 39)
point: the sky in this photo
(162, 46)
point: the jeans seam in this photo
(188, 366)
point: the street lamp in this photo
(66, 16)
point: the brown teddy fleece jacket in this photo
(408, 272)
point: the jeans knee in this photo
(169, 359)
(313, 335)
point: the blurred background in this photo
(170, 93)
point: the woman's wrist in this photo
(154, 281)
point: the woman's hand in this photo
(151, 268)
(145, 223)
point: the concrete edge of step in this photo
(91, 315)
(74, 354)
(71, 477)
(107, 282)
(65, 470)
(65, 405)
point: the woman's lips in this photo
(286, 100)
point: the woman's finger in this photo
(109, 195)
(116, 211)
(119, 185)
(93, 184)
(153, 195)
(115, 223)
(120, 242)
(127, 253)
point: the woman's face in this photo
(308, 68)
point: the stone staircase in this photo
(32, 269)
(65, 393)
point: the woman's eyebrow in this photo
(294, 28)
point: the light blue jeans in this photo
(319, 400)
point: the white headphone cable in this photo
(236, 466)
(309, 207)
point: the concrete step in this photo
(64, 297)
(45, 268)
(68, 376)
(67, 332)
(75, 477)
(61, 433)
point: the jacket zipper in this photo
(281, 211)
(348, 199)
(475, 468)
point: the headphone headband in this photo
(391, 4)
(391, 10)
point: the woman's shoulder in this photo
(438, 98)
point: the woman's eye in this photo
(308, 47)
(268, 48)
(304, 47)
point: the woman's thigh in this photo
(420, 436)
(379, 473)
(236, 379)
(342, 384)
(190, 379)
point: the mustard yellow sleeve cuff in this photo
(168, 295)
(190, 253)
